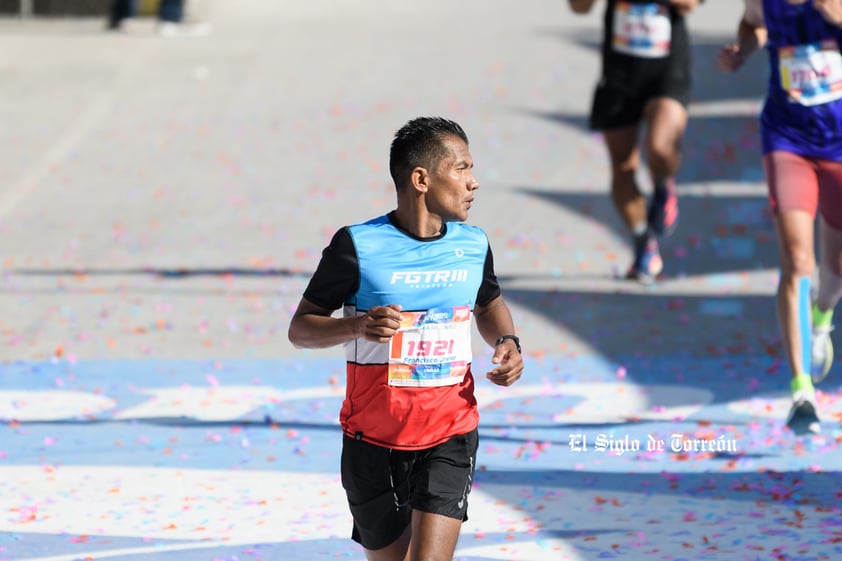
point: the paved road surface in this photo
(163, 202)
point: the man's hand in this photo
(831, 11)
(731, 58)
(510, 364)
(381, 323)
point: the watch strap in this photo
(514, 338)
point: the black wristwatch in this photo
(514, 338)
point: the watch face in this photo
(514, 338)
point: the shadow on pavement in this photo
(715, 233)
(709, 82)
(715, 147)
(721, 144)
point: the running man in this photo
(801, 129)
(409, 283)
(645, 80)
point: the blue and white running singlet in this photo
(417, 390)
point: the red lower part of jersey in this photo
(405, 418)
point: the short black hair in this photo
(420, 143)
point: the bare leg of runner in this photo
(830, 266)
(827, 296)
(795, 240)
(431, 537)
(396, 551)
(625, 159)
(667, 121)
(630, 203)
(434, 536)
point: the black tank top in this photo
(644, 40)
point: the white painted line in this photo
(726, 108)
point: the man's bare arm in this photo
(314, 327)
(751, 36)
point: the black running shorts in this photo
(619, 103)
(628, 82)
(384, 486)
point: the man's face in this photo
(452, 183)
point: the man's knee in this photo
(796, 262)
(663, 154)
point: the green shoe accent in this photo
(820, 318)
(802, 383)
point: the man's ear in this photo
(420, 179)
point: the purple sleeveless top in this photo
(803, 109)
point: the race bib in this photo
(431, 348)
(642, 30)
(811, 74)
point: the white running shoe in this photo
(802, 418)
(822, 353)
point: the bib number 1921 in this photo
(429, 348)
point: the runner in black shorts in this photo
(385, 485)
(645, 78)
(411, 284)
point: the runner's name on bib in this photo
(642, 30)
(811, 74)
(431, 348)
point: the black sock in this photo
(660, 189)
(640, 241)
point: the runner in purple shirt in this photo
(801, 128)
